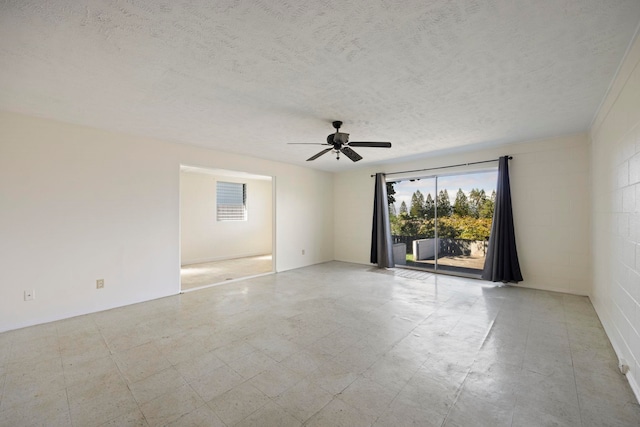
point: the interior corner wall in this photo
(551, 200)
(615, 153)
(203, 238)
(80, 204)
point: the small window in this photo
(231, 201)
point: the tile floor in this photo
(194, 276)
(329, 345)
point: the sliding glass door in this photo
(442, 223)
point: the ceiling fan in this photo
(338, 142)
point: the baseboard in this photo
(77, 313)
(635, 387)
(550, 289)
(604, 321)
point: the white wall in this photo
(79, 204)
(203, 238)
(615, 152)
(550, 195)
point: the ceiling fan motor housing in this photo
(339, 138)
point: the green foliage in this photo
(481, 206)
(444, 204)
(476, 199)
(448, 228)
(429, 207)
(405, 225)
(390, 193)
(486, 210)
(427, 228)
(417, 205)
(469, 218)
(461, 205)
(470, 228)
(453, 227)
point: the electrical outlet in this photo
(99, 283)
(303, 252)
(29, 295)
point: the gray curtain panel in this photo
(501, 264)
(381, 243)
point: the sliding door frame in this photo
(436, 177)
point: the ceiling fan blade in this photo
(307, 143)
(370, 144)
(319, 154)
(351, 154)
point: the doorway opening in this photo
(226, 226)
(441, 223)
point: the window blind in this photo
(231, 198)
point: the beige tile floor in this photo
(195, 276)
(329, 345)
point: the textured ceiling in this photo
(251, 76)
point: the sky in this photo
(482, 180)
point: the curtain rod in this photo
(443, 167)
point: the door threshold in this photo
(443, 272)
(225, 282)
